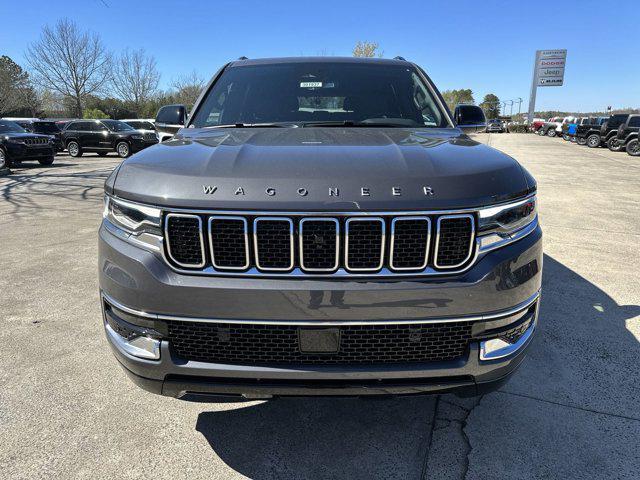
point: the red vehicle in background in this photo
(536, 124)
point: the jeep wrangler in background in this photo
(320, 226)
(627, 132)
(606, 134)
(592, 128)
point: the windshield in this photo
(306, 93)
(10, 127)
(117, 126)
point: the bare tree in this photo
(367, 49)
(69, 61)
(135, 78)
(188, 87)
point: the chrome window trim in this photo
(346, 243)
(319, 322)
(301, 247)
(246, 241)
(166, 236)
(391, 247)
(471, 242)
(291, 244)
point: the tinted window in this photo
(10, 127)
(140, 125)
(617, 120)
(634, 122)
(319, 92)
(117, 125)
(46, 127)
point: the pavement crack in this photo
(575, 407)
(425, 460)
(465, 437)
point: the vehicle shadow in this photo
(390, 438)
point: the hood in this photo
(24, 135)
(322, 169)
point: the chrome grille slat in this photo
(412, 244)
(341, 245)
(270, 243)
(229, 247)
(323, 257)
(363, 242)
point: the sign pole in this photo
(534, 88)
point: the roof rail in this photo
(243, 58)
(400, 58)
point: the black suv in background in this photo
(627, 133)
(591, 128)
(104, 136)
(44, 127)
(17, 145)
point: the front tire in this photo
(581, 141)
(551, 133)
(46, 161)
(614, 145)
(74, 149)
(633, 147)
(565, 137)
(593, 140)
(123, 150)
(4, 160)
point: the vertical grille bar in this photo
(229, 242)
(410, 239)
(319, 239)
(273, 243)
(454, 240)
(185, 242)
(364, 244)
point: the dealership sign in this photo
(548, 71)
(550, 67)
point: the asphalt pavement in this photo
(571, 411)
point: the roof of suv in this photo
(273, 61)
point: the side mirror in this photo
(470, 118)
(172, 116)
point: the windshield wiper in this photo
(364, 124)
(255, 125)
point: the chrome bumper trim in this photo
(321, 323)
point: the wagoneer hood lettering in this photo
(321, 168)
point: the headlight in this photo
(134, 219)
(506, 223)
(137, 137)
(14, 140)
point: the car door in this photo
(101, 136)
(83, 133)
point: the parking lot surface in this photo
(571, 411)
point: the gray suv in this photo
(320, 226)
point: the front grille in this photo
(339, 245)
(410, 243)
(455, 234)
(150, 136)
(365, 244)
(36, 141)
(319, 244)
(229, 242)
(184, 240)
(252, 344)
(274, 243)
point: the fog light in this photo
(508, 343)
(136, 341)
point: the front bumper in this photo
(21, 151)
(502, 283)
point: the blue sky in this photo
(484, 45)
